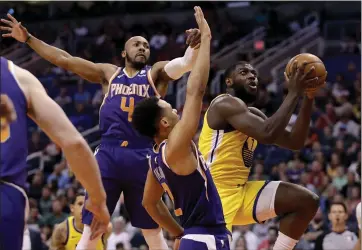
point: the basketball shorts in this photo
(205, 242)
(247, 204)
(123, 169)
(13, 214)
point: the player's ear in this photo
(71, 208)
(124, 54)
(229, 82)
(164, 122)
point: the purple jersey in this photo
(117, 108)
(196, 200)
(14, 141)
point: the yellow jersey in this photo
(74, 236)
(229, 153)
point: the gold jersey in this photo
(74, 236)
(229, 154)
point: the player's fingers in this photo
(7, 22)
(294, 67)
(189, 38)
(6, 35)
(5, 28)
(286, 76)
(309, 73)
(301, 69)
(12, 19)
(312, 83)
(201, 13)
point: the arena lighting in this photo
(259, 45)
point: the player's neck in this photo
(78, 225)
(339, 228)
(130, 71)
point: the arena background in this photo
(267, 34)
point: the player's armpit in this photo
(156, 208)
(59, 237)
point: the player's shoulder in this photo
(228, 104)
(61, 230)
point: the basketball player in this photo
(229, 136)
(67, 234)
(29, 98)
(177, 167)
(122, 153)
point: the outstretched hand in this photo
(193, 38)
(14, 28)
(201, 22)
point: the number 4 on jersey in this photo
(130, 108)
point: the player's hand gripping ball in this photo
(320, 71)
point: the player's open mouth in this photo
(253, 85)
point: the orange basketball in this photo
(312, 60)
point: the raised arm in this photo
(53, 121)
(164, 71)
(252, 123)
(59, 237)
(295, 139)
(155, 207)
(179, 141)
(92, 72)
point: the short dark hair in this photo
(338, 203)
(146, 115)
(79, 193)
(232, 68)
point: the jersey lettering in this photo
(128, 109)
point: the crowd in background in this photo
(329, 164)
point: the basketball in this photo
(312, 60)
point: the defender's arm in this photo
(92, 72)
(178, 145)
(53, 121)
(164, 71)
(154, 205)
(59, 237)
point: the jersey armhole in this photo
(151, 82)
(68, 232)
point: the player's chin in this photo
(140, 59)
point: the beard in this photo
(243, 94)
(135, 65)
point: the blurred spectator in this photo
(339, 237)
(119, 235)
(243, 238)
(56, 216)
(82, 96)
(268, 243)
(63, 98)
